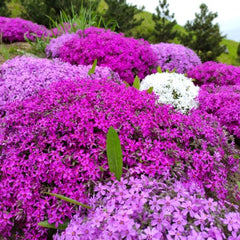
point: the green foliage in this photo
(203, 36)
(38, 45)
(52, 8)
(69, 200)
(136, 83)
(92, 70)
(159, 69)
(238, 50)
(15, 8)
(114, 153)
(123, 14)
(230, 57)
(164, 23)
(4, 11)
(81, 20)
(48, 225)
(65, 224)
(150, 90)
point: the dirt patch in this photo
(9, 51)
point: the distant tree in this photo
(164, 23)
(3, 8)
(123, 14)
(203, 36)
(238, 50)
(38, 10)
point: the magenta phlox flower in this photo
(179, 221)
(189, 208)
(232, 220)
(23, 77)
(52, 50)
(14, 30)
(151, 234)
(202, 219)
(216, 73)
(127, 221)
(176, 57)
(176, 234)
(168, 204)
(155, 204)
(216, 233)
(127, 56)
(210, 204)
(76, 116)
(224, 103)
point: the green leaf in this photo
(114, 153)
(47, 225)
(150, 90)
(92, 70)
(174, 70)
(159, 69)
(127, 84)
(70, 200)
(136, 83)
(238, 183)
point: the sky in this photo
(228, 13)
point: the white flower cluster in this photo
(174, 89)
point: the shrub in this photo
(126, 56)
(217, 73)
(175, 56)
(53, 48)
(14, 30)
(172, 88)
(224, 103)
(25, 76)
(145, 208)
(56, 141)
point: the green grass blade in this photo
(114, 153)
(70, 200)
(136, 83)
(47, 225)
(92, 70)
(159, 69)
(127, 84)
(238, 183)
(150, 90)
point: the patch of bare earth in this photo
(15, 49)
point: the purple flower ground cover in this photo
(56, 141)
(53, 48)
(175, 56)
(216, 73)
(23, 76)
(14, 29)
(145, 208)
(126, 56)
(224, 103)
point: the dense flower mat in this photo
(126, 56)
(179, 169)
(176, 57)
(146, 208)
(224, 103)
(56, 140)
(14, 30)
(25, 76)
(217, 73)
